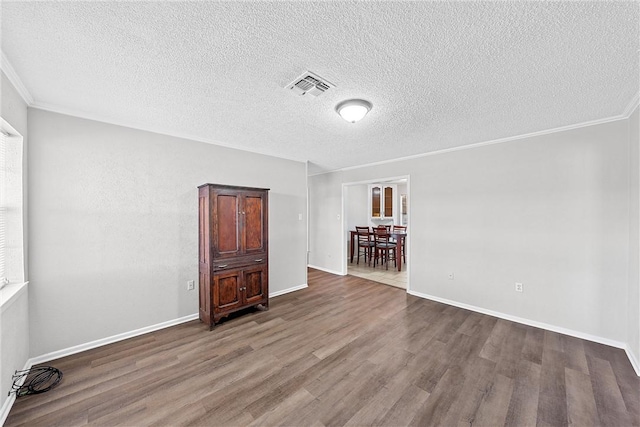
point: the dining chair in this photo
(384, 249)
(365, 243)
(402, 229)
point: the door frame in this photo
(343, 221)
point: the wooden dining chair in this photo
(384, 249)
(365, 244)
(402, 229)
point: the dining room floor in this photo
(391, 277)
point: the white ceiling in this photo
(439, 74)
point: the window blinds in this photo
(11, 206)
(3, 206)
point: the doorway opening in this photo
(373, 203)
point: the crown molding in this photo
(485, 143)
(13, 77)
(81, 114)
(28, 98)
(137, 126)
(631, 106)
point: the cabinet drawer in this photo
(245, 261)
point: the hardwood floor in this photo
(345, 351)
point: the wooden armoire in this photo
(233, 250)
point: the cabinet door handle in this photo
(259, 260)
(222, 266)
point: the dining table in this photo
(399, 237)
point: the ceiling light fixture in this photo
(353, 110)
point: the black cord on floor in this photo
(36, 380)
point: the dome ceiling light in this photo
(353, 110)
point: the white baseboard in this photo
(633, 360)
(6, 407)
(109, 340)
(536, 324)
(326, 270)
(8, 404)
(115, 338)
(286, 291)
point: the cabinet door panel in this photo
(227, 290)
(388, 202)
(254, 222)
(254, 283)
(226, 238)
(376, 211)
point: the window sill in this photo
(10, 293)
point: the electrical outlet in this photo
(450, 276)
(519, 287)
(191, 285)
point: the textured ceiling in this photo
(439, 74)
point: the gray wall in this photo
(356, 208)
(551, 212)
(114, 223)
(633, 339)
(14, 318)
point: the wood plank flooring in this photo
(343, 352)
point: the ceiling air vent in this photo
(309, 84)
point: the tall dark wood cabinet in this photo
(233, 250)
